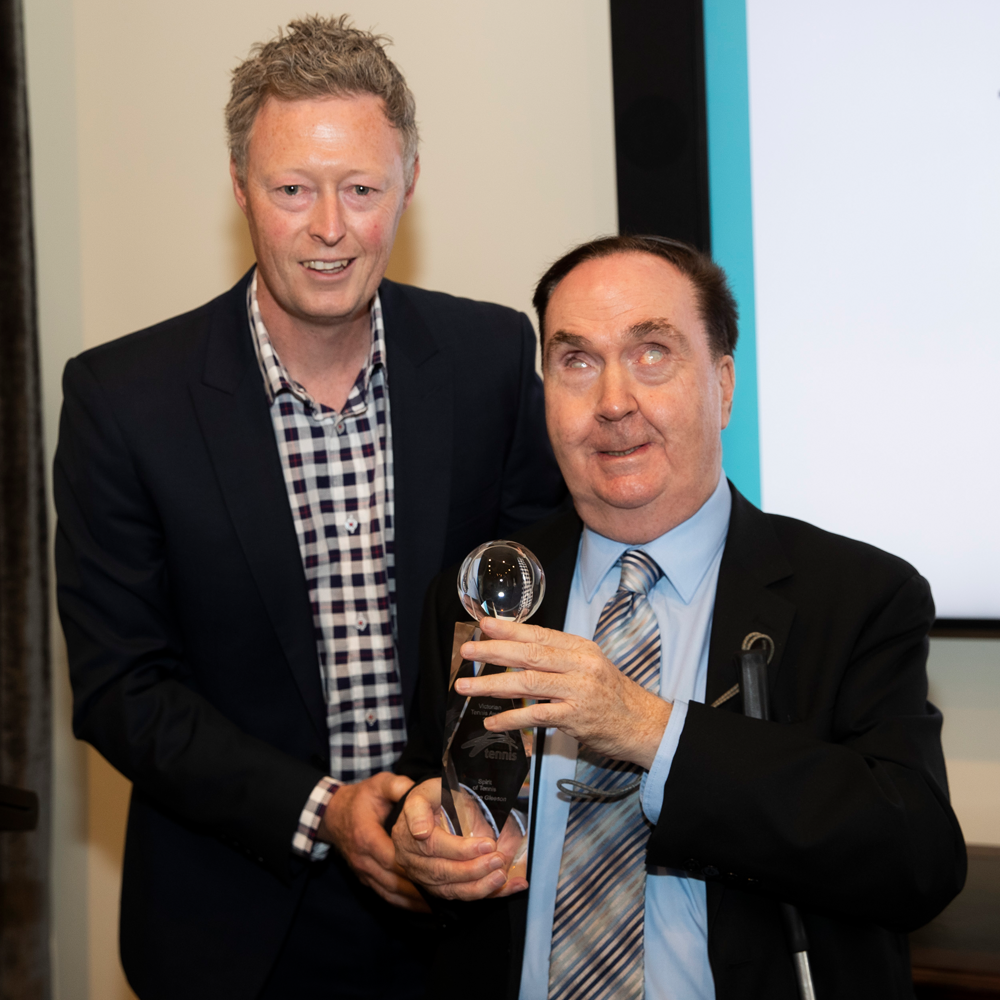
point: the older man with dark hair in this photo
(666, 825)
(252, 498)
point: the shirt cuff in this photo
(304, 841)
(651, 787)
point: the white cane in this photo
(753, 684)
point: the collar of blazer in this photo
(753, 560)
(235, 420)
(421, 406)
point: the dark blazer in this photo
(840, 805)
(187, 617)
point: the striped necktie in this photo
(597, 949)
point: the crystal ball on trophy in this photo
(486, 773)
(501, 580)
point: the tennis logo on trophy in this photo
(485, 788)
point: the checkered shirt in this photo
(338, 474)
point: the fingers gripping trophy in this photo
(486, 775)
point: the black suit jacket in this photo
(840, 805)
(184, 603)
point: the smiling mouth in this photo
(622, 454)
(327, 266)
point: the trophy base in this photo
(484, 792)
(476, 821)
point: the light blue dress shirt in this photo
(676, 921)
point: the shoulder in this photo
(775, 546)
(839, 578)
(810, 547)
(174, 347)
(553, 535)
(833, 581)
(451, 315)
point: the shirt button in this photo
(351, 524)
(339, 426)
(370, 717)
(361, 623)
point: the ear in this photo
(408, 197)
(726, 371)
(238, 190)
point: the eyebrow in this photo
(636, 332)
(662, 326)
(562, 337)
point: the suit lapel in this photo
(753, 559)
(235, 421)
(421, 412)
(556, 548)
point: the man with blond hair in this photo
(252, 498)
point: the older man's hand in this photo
(353, 823)
(581, 691)
(452, 867)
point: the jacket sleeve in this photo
(135, 698)
(844, 811)
(533, 487)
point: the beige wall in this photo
(50, 44)
(135, 222)
(517, 150)
(965, 684)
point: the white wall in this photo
(135, 222)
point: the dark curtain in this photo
(25, 744)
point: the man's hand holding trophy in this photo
(468, 833)
(484, 792)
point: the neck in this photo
(324, 358)
(639, 525)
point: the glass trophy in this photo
(484, 792)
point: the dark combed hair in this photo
(715, 300)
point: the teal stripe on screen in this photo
(732, 221)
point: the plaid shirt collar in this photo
(278, 381)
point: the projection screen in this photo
(875, 156)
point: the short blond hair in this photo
(318, 57)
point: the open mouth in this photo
(622, 454)
(327, 266)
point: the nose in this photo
(616, 399)
(327, 221)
